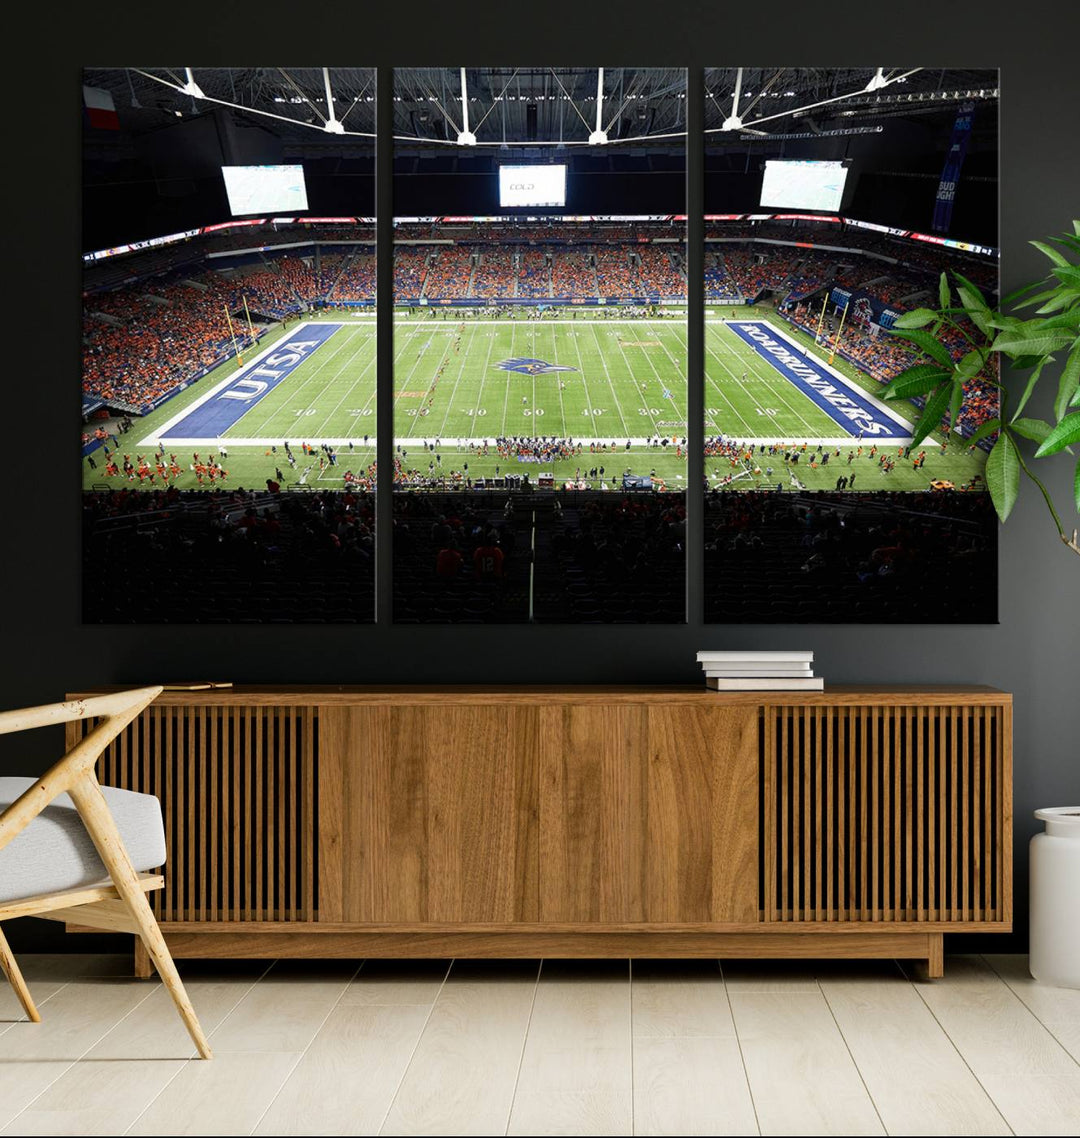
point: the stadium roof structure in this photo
(539, 106)
(742, 103)
(294, 100)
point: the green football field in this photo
(597, 380)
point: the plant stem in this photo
(1071, 543)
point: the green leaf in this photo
(972, 288)
(929, 346)
(917, 380)
(943, 289)
(1069, 384)
(984, 432)
(1030, 342)
(1063, 298)
(955, 402)
(1034, 429)
(1063, 435)
(916, 318)
(1076, 227)
(970, 365)
(1032, 380)
(1051, 252)
(1022, 363)
(1039, 297)
(932, 414)
(999, 320)
(1064, 322)
(1068, 274)
(978, 313)
(1003, 475)
(1016, 294)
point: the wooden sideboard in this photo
(576, 821)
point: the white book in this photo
(771, 673)
(755, 657)
(758, 667)
(766, 684)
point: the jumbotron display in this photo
(522, 187)
(265, 189)
(803, 185)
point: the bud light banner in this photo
(950, 175)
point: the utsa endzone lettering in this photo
(222, 409)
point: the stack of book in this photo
(760, 671)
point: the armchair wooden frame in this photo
(120, 906)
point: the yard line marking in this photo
(351, 388)
(584, 384)
(679, 369)
(461, 371)
(607, 373)
(269, 415)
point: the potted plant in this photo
(1029, 345)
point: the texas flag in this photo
(100, 109)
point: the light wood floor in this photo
(514, 1047)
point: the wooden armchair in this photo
(55, 873)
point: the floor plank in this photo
(285, 1009)
(11, 1011)
(691, 1084)
(397, 982)
(990, 1026)
(576, 1071)
(154, 1030)
(801, 1076)
(679, 998)
(227, 1095)
(97, 1097)
(1038, 1104)
(347, 1078)
(461, 1079)
(918, 1081)
(769, 975)
(34, 1055)
(1031, 1077)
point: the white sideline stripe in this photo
(180, 416)
(848, 442)
(838, 376)
(404, 321)
(406, 441)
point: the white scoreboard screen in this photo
(525, 186)
(265, 189)
(803, 185)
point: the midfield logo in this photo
(531, 367)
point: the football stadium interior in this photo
(540, 350)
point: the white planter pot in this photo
(1055, 898)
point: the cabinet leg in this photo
(143, 969)
(935, 964)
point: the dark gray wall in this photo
(1034, 652)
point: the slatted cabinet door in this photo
(238, 791)
(887, 813)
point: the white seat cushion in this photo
(55, 852)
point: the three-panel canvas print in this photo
(546, 425)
